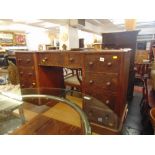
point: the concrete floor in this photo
(132, 125)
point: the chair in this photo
(153, 70)
(142, 73)
(73, 78)
(3, 61)
(152, 117)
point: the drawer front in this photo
(74, 60)
(51, 59)
(24, 59)
(27, 77)
(105, 81)
(102, 63)
(101, 116)
(106, 97)
(27, 83)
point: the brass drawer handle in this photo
(108, 83)
(91, 63)
(44, 60)
(33, 83)
(109, 64)
(91, 81)
(107, 101)
(71, 59)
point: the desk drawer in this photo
(28, 83)
(106, 97)
(102, 63)
(51, 59)
(74, 60)
(27, 73)
(27, 77)
(101, 116)
(24, 59)
(99, 80)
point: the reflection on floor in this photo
(132, 125)
(9, 124)
(60, 112)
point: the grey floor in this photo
(8, 124)
(132, 125)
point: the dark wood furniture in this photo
(152, 49)
(126, 39)
(142, 73)
(104, 76)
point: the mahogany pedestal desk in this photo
(104, 76)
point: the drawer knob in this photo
(107, 101)
(22, 85)
(44, 60)
(109, 64)
(28, 60)
(30, 74)
(91, 63)
(91, 81)
(108, 83)
(71, 59)
(107, 117)
(21, 73)
(90, 113)
(19, 60)
(33, 83)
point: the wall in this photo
(34, 35)
(34, 38)
(89, 37)
(68, 36)
(147, 31)
(73, 38)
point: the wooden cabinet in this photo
(105, 77)
(126, 39)
(34, 72)
(27, 69)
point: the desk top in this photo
(80, 51)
